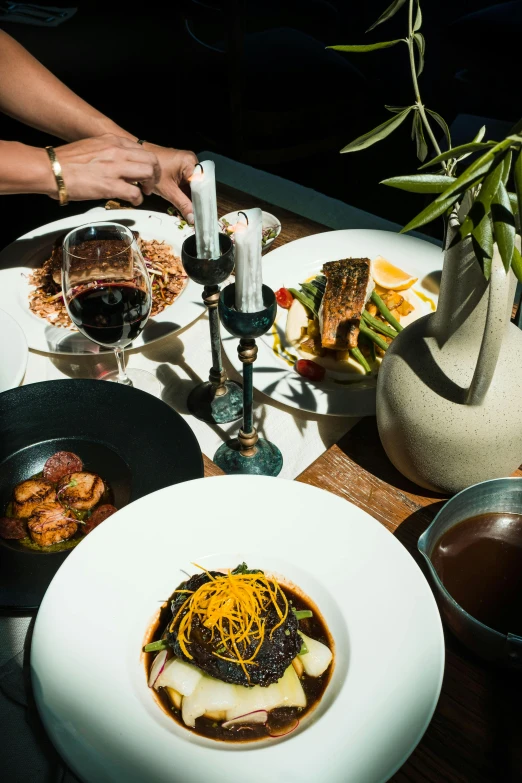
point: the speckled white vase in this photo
(449, 391)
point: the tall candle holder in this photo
(248, 453)
(217, 400)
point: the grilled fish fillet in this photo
(50, 524)
(348, 286)
(81, 490)
(29, 494)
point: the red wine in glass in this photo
(113, 314)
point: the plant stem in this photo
(418, 101)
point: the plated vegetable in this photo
(343, 319)
(238, 656)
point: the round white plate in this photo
(89, 681)
(32, 248)
(269, 221)
(14, 353)
(292, 264)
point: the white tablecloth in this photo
(179, 361)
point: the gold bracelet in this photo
(57, 171)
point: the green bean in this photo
(302, 614)
(161, 644)
(379, 325)
(376, 299)
(359, 357)
(377, 339)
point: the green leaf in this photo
(513, 201)
(378, 133)
(420, 183)
(421, 46)
(506, 167)
(472, 146)
(418, 18)
(503, 225)
(476, 170)
(443, 124)
(480, 135)
(482, 240)
(516, 264)
(397, 109)
(390, 11)
(422, 147)
(481, 206)
(432, 211)
(517, 174)
(365, 47)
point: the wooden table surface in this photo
(475, 735)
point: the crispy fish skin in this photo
(343, 302)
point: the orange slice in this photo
(386, 275)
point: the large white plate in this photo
(90, 686)
(14, 353)
(21, 256)
(291, 265)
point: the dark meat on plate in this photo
(80, 490)
(61, 464)
(274, 657)
(12, 528)
(348, 286)
(50, 524)
(29, 494)
(94, 250)
(98, 516)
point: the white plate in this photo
(292, 264)
(32, 248)
(269, 221)
(90, 685)
(13, 359)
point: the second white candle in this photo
(249, 278)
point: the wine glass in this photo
(107, 291)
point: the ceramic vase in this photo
(449, 390)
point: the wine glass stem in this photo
(122, 375)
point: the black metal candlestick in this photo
(218, 400)
(248, 453)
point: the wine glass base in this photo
(267, 460)
(202, 403)
(141, 379)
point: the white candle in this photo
(249, 280)
(204, 202)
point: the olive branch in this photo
(491, 217)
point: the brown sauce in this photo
(479, 562)
(280, 720)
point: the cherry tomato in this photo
(284, 298)
(309, 369)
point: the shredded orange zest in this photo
(232, 607)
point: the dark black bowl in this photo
(208, 271)
(246, 324)
(137, 443)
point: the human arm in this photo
(33, 95)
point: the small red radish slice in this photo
(157, 667)
(285, 730)
(258, 716)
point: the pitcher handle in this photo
(497, 317)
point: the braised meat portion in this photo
(273, 658)
(50, 524)
(80, 490)
(347, 287)
(61, 464)
(29, 494)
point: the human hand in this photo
(176, 167)
(106, 167)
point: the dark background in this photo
(253, 80)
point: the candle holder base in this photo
(266, 460)
(204, 404)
